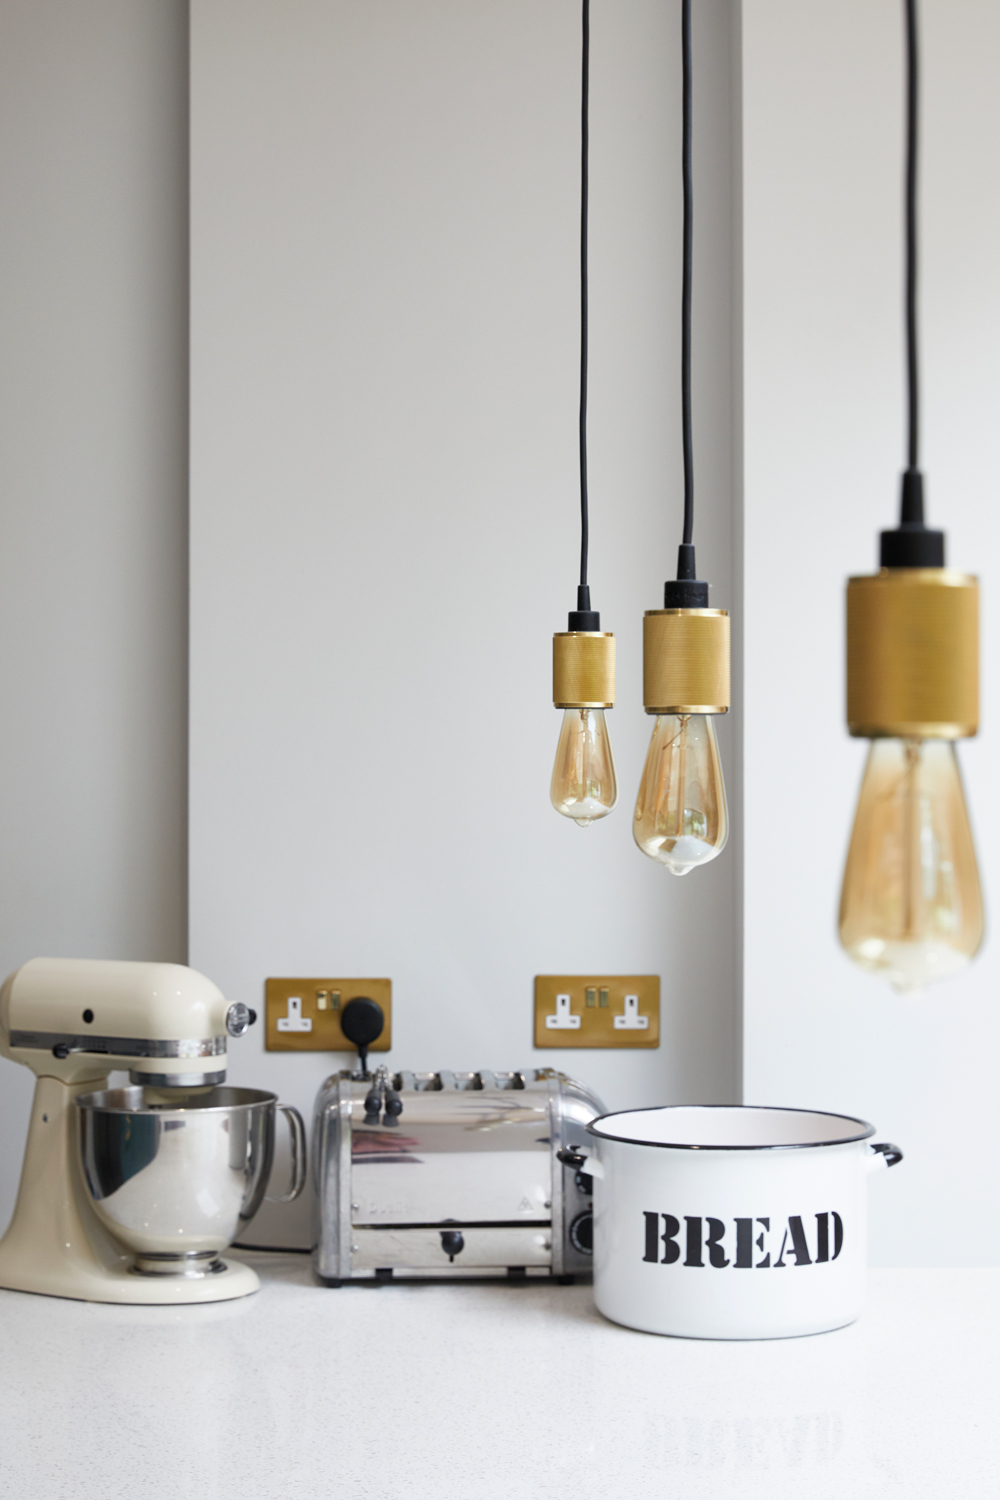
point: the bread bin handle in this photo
(884, 1154)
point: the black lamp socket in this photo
(583, 617)
(686, 591)
(911, 544)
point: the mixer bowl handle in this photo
(297, 1132)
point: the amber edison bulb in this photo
(911, 908)
(584, 787)
(680, 815)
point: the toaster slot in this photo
(446, 1081)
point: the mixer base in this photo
(94, 1284)
(201, 1263)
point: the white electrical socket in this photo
(562, 1020)
(631, 1020)
(295, 1020)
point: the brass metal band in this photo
(913, 654)
(685, 661)
(583, 669)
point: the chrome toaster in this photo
(450, 1174)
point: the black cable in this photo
(912, 370)
(584, 197)
(912, 544)
(686, 283)
(688, 592)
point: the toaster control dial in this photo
(581, 1233)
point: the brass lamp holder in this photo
(913, 638)
(583, 660)
(913, 654)
(583, 669)
(685, 650)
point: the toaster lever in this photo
(570, 1156)
(382, 1090)
(373, 1102)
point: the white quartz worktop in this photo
(494, 1392)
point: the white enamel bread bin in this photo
(730, 1222)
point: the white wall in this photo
(93, 393)
(384, 512)
(822, 143)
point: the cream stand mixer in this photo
(175, 1138)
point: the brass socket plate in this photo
(583, 669)
(913, 654)
(320, 1002)
(595, 1002)
(685, 661)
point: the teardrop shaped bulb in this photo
(680, 816)
(583, 777)
(911, 908)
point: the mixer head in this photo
(78, 1018)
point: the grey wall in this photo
(384, 512)
(93, 480)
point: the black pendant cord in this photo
(912, 544)
(688, 591)
(912, 362)
(584, 290)
(686, 174)
(583, 617)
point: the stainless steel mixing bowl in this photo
(174, 1174)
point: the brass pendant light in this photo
(681, 818)
(911, 907)
(583, 785)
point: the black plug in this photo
(362, 1021)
